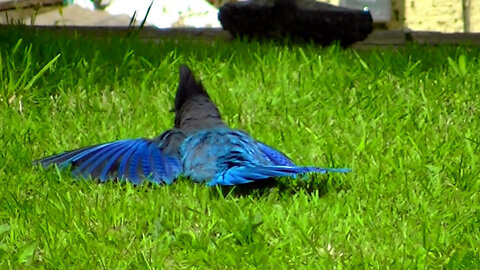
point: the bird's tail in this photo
(247, 174)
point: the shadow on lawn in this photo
(314, 186)
(318, 186)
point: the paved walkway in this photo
(378, 38)
(165, 13)
(55, 15)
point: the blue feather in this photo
(119, 151)
(125, 161)
(275, 156)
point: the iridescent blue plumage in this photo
(200, 146)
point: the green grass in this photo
(407, 121)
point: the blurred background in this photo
(416, 15)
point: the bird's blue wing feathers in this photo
(274, 156)
(247, 174)
(132, 160)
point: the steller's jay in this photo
(200, 146)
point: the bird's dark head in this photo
(193, 107)
(188, 88)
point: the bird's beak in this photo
(172, 110)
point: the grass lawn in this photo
(407, 121)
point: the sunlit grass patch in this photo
(405, 120)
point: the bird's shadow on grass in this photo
(313, 185)
(318, 186)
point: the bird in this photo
(200, 147)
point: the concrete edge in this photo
(376, 38)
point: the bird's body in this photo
(208, 152)
(200, 146)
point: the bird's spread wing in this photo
(132, 160)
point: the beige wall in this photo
(474, 15)
(431, 15)
(333, 2)
(434, 15)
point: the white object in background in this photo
(86, 4)
(380, 9)
(168, 13)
